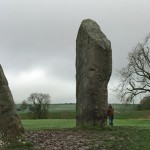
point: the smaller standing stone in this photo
(10, 123)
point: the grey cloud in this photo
(42, 34)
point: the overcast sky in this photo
(38, 41)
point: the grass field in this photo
(63, 116)
(62, 107)
(71, 123)
(67, 111)
(126, 134)
(131, 128)
(72, 107)
(48, 124)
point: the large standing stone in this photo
(10, 123)
(93, 71)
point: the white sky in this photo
(37, 41)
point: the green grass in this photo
(71, 123)
(132, 122)
(56, 107)
(62, 115)
(131, 130)
(48, 124)
(125, 107)
(60, 118)
(131, 134)
(52, 115)
(145, 114)
(62, 107)
(133, 115)
(72, 107)
(128, 138)
(67, 111)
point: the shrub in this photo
(144, 103)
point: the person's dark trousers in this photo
(111, 120)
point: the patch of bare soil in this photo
(66, 140)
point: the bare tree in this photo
(38, 104)
(135, 77)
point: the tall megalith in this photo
(93, 71)
(10, 124)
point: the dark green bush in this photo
(144, 104)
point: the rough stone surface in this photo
(93, 71)
(10, 123)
